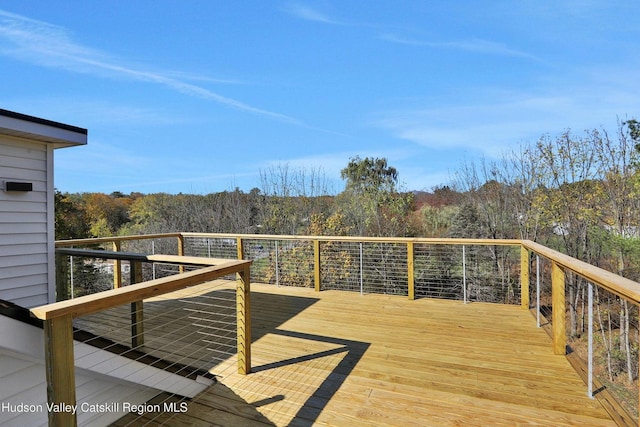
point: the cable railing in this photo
(154, 337)
(465, 269)
(591, 314)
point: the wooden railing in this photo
(318, 241)
(58, 317)
(115, 244)
(561, 265)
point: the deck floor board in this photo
(338, 358)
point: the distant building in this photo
(629, 231)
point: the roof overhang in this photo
(34, 128)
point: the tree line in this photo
(578, 193)
(289, 201)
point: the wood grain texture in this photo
(340, 359)
(112, 298)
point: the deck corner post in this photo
(317, 280)
(137, 309)
(410, 271)
(558, 309)
(60, 370)
(181, 250)
(243, 303)
(117, 266)
(62, 270)
(524, 277)
(240, 247)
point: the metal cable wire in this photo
(190, 333)
(185, 334)
(365, 267)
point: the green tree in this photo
(71, 221)
(437, 220)
(633, 127)
(369, 176)
(371, 201)
(467, 224)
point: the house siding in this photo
(101, 377)
(23, 380)
(24, 247)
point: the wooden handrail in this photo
(94, 240)
(102, 254)
(607, 280)
(364, 239)
(449, 241)
(140, 257)
(612, 282)
(58, 326)
(88, 304)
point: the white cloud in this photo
(489, 120)
(91, 113)
(307, 13)
(48, 45)
(473, 45)
(184, 75)
(98, 156)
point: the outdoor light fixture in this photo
(18, 186)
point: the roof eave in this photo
(34, 128)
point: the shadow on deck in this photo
(179, 348)
(337, 358)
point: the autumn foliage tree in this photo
(106, 213)
(71, 221)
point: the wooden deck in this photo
(340, 359)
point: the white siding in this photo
(24, 382)
(27, 271)
(23, 378)
(24, 231)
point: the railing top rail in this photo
(426, 240)
(135, 256)
(612, 282)
(90, 241)
(364, 239)
(97, 253)
(103, 300)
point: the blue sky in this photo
(200, 96)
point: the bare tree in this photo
(291, 197)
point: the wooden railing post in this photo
(240, 247)
(524, 277)
(558, 310)
(316, 265)
(117, 266)
(243, 302)
(137, 308)
(60, 369)
(62, 285)
(410, 271)
(181, 250)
